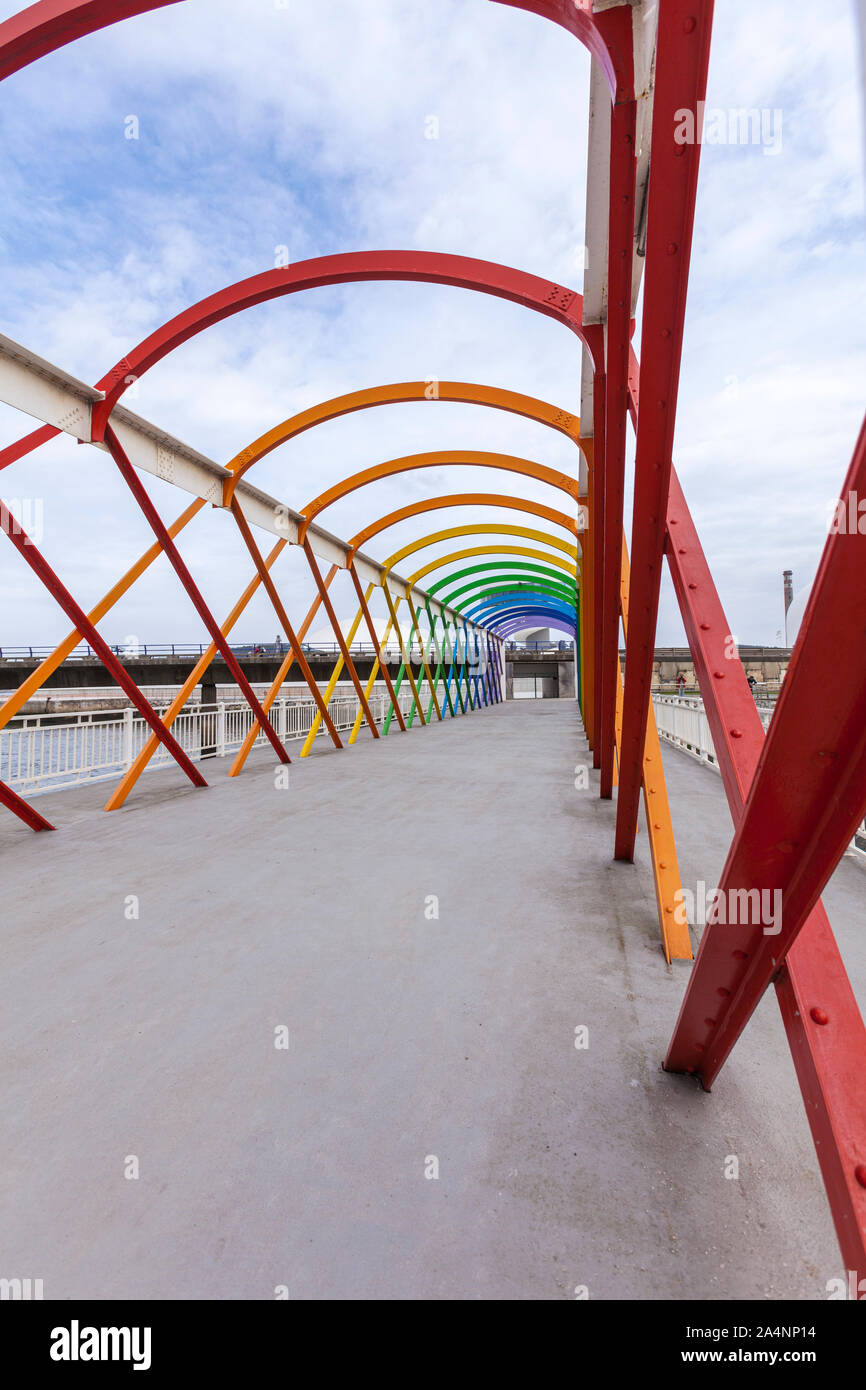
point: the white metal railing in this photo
(682, 721)
(167, 650)
(40, 753)
(164, 694)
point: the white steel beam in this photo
(644, 28)
(53, 397)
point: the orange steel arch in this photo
(462, 499)
(398, 393)
(508, 463)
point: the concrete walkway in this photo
(412, 1037)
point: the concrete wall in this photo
(766, 664)
(557, 677)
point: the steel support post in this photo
(386, 674)
(464, 673)
(331, 686)
(586, 580)
(22, 809)
(283, 618)
(494, 646)
(482, 670)
(499, 652)
(619, 277)
(485, 674)
(455, 643)
(662, 844)
(379, 664)
(597, 526)
(440, 659)
(488, 667)
(247, 745)
(76, 615)
(428, 676)
(344, 650)
(682, 58)
(160, 530)
(406, 657)
(140, 762)
(416, 627)
(37, 679)
(476, 676)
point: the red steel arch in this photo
(607, 36)
(431, 267)
(51, 24)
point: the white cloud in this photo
(306, 127)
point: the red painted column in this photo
(620, 253)
(682, 58)
(598, 541)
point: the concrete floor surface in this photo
(430, 919)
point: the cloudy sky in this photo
(264, 125)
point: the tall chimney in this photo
(788, 582)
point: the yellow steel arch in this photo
(485, 528)
(468, 551)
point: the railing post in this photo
(127, 739)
